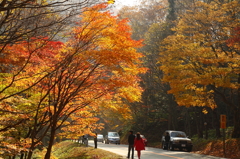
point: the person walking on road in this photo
(139, 145)
(131, 138)
(167, 140)
(95, 140)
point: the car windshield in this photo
(178, 134)
(113, 134)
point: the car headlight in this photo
(189, 141)
(175, 141)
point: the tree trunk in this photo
(25, 155)
(236, 130)
(22, 155)
(30, 153)
(187, 123)
(199, 122)
(216, 121)
(169, 121)
(31, 148)
(51, 140)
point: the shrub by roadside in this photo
(215, 147)
(73, 150)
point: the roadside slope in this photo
(215, 148)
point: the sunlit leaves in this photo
(197, 58)
(111, 46)
(113, 49)
(99, 60)
(111, 1)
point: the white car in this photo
(113, 138)
(100, 138)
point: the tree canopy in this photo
(50, 86)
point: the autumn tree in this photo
(24, 28)
(18, 107)
(98, 58)
(201, 67)
(25, 20)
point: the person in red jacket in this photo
(139, 145)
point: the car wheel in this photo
(189, 149)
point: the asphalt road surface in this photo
(151, 153)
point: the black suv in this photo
(178, 139)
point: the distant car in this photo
(112, 137)
(178, 139)
(100, 138)
(144, 139)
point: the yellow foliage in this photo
(204, 111)
(193, 59)
(111, 1)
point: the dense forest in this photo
(191, 51)
(72, 68)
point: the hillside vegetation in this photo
(215, 148)
(73, 150)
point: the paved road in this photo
(151, 153)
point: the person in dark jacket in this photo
(139, 144)
(167, 140)
(131, 138)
